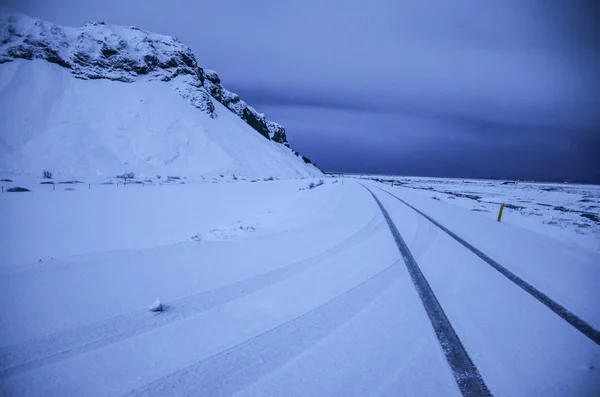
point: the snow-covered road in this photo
(286, 292)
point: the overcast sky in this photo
(463, 88)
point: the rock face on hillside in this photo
(126, 54)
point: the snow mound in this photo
(157, 306)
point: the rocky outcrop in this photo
(233, 102)
(126, 54)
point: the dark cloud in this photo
(464, 84)
(375, 142)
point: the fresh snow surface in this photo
(101, 128)
(270, 288)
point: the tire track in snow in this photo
(581, 325)
(236, 368)
(32, 354)
(465, 372)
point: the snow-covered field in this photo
(569, 213)
(271, 288)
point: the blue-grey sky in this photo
(463, 88)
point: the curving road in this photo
(371, 296)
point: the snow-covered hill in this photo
(101, 100)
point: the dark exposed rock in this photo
(254, 122)
(108, 52)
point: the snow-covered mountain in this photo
(102, 99)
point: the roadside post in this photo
(500, 213)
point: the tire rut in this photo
(578, 323)
(466, 374)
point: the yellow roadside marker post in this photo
(500, 213)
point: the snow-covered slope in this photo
(102, 100)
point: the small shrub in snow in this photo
(5, 180)
(69, 182)
(157, 306)
(313, 185)
(47, 174)
(306, 160)
(126, 175)
(17, 189)
(171, 178)
(235, 177)
(158, 177)
(269, 179)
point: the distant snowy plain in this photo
(272, 288)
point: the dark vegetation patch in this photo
(17, 189)
(47, 183)
(464, 195)
(564, 209)
(5, 180)
(514, 207)
(69, 182)
(592, 217)
(386, 181)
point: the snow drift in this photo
(101, 100)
